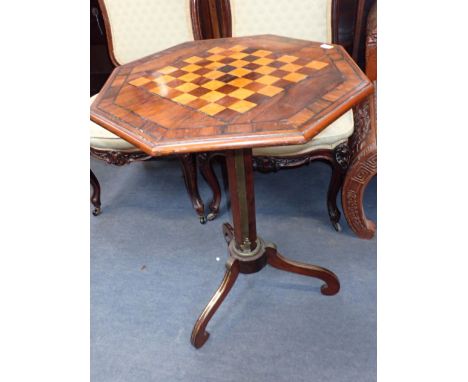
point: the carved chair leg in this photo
(338, 160)
(228, 232)
(339, 165)
(205, 163)
(96, 195)
(199, 334)
(336, 181)
(355, 183)
(332, 284)
(189, 170)
(362, 169)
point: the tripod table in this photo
(231, 95)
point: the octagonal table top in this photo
(229, 93)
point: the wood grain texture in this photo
(363, 146)
(199, 334)
(247, 252)
(158, 125)
(371, 44)
(358, 28)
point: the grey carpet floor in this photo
(154, 267)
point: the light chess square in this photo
(223, 80)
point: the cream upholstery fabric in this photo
(335, 134)
(303, 19)
(103, 139)
(143, 27)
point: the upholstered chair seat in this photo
(102, 139)
(335, 134)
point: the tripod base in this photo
(237, 263)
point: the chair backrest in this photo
(303, 19)
(137, 28)
(371, 44)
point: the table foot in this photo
(267, 254)
(199, 334)
(276, 260)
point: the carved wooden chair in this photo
(314, 20)
(363, 144)
(135, 29)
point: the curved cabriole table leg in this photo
(199, 333)
(276, 260)
(248, 253)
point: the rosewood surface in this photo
(363, 165)
(279, 91)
